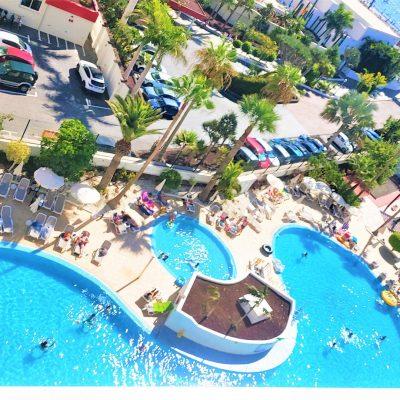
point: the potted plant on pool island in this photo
(394, 241)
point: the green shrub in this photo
(394, 240)
(172, 178)
(237, 43)
(246, 47)
(123, 175)
(244, 84)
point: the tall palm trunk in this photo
(205, 194)
(216, 11)
(142, 76)
(178, 155)
(205, 155)
(230, 15)
(186, 107)
(115, 201)
(132, 62)
(128, 10)
(110, 171)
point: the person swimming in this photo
(46, 344)
(304, 254)
(350, 334)
(163, 256)
(193, 264)
(382, 338)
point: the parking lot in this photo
(58, 93)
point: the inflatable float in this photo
(390, 298)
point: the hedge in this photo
(243, 84)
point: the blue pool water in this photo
(390, 9)
(187, 243)
(43, 296)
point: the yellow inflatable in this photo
(389, 298)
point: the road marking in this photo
(75, 46)
(29, 38)
(24, 36)
(18, 93)
(48, 38)
(90, 105)
(83, 51)
(66, 45)
(58, 44)
(40, 37)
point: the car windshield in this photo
(96, 73)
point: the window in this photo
(10, 43)
(34, 4)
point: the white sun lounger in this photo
(58, 206)
(48, 228)
(22, 190)
(6, 216)
(41, 219)
(5, 184)
(97, 259)
(62, 244)
(49, 200)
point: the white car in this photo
(10, 40)
(91, 77)
(343, 143)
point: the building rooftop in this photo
(228, 309)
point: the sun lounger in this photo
(98, 257)
(58, 205)
(48, 228)
(120, 228)
(63, 244)
(6, 216)
(289, 216)
(5, 184)
(39, 220)
(22, 190)
(49, 200)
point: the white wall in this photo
(29, 17)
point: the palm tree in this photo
(128, 10)
(247, 6)
(215, 63)
(260, 296)
(228, 3)
(134, 116)
(185, 139)
(213, 296)
(261, 115)
(229, 185)
(352, 111)
(338, 21)
(282, 84)
(195, 92)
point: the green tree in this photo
(351, 57)
(380, 57)
(134, 116)
(376, 163)
(338, 21)
(172, 178)
(71, 153)
(185, 140)
(215, 63)
(370, 81)
(247, 7)
(394, 241)
(282, 84)
(228, 184)
(209, 305)
(261, 20)
(294, 52)
(112, 10)
(17, 152)
(352, 112)
(261, 114)
(227, 3)
(391, 130)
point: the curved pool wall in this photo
(338, 301)
(189, 240)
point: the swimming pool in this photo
(187, 242)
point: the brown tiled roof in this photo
(228, 309)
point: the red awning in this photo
(76, 8)
(189, 7)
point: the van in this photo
(9, 39)
(17, 75)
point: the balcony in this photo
(84, 9)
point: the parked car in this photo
(309, 145)
(306, 153)
(152, 89)
(312, 140)
(155, 75)
(342, 142)
(283, 156)
(371, 134)
(11, 40)
(258, 150)
(91, 77)
(247, 156)
(296, 155)
(14, 54)
(168, 107)
(269, 153)
(17, 75)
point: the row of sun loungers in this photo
(54, 202)
(42, 227)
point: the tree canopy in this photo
(391, 130)
(17, 152)
(221, 130)
(294, 51)
(71, 153)
(352, 57)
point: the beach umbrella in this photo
(160, 186)
(18, 169)
(84, 193)
(275, 182)
(337, 198)
(47, 179)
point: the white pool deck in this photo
(130, 268)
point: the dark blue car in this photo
(167, 106)
(312, 142)
(296, 154)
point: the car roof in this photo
(281, 150)
(248, 153)
(9, 36)
(344, 137)
(170, 102)
(24, 55)
(88, 64)
(263, 143)
(19, 66)
(293, 148)
(255, 144)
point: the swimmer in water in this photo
(382, 338)
(350, 334)
(47, 343)
(194, 264)
(305, 254)
(333, 344)
(163, 256)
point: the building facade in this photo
(67, 19)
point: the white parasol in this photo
(47, 179)
(84, 193)
(18, 169)
(160, 186)
(275, 182)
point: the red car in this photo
(13, 54)
(259, 151)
